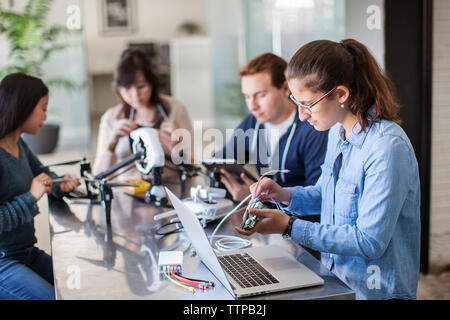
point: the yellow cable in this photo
(179, 284)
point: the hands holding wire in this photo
(69, 183)
(41, 185)
(166, 135)
(274, 221)
(268, 187)
(122, 128)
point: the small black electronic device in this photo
(230, 165)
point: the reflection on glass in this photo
(295, 23)
(241, 30)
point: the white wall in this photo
(156, 20)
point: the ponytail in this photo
(372, 87)
(326, 64)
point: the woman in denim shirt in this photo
(368, 194)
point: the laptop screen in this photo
(199, 240)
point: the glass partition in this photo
(64, 71)
(71, 107)
(295, 23)
(237, 31)
(243, 29)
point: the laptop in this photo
(250, 271)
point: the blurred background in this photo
(197, 47)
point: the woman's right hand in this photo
(122, 128)
(42, 184)
(271, 188)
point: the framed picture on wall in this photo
(118, 16)
(7, 4)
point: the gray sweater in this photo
(18, 207)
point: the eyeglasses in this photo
(308, 108)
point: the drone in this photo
(147, 156)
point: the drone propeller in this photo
(69, 163)
(118, 184)
(112, 184)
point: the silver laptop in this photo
(246, 272)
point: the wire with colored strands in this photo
(273, 200)
(211, 284)
(178, 283)
(228, 242)
(200, 284)
(187, 283)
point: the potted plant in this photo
(31, 43)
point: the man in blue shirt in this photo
(272, 137)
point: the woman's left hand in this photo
(239, 191)
(274, 221)
(70, 185)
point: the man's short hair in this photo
(267, 62)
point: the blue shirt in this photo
(369, 232)
(301, 150)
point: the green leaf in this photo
(42, 10)
(62, 83)
(32, 41)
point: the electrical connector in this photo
(251, 220)
(170, 262)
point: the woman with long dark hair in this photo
(141, 105)
(26, 272)
(368, 194)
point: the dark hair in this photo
(323, 65)
(267, 62)
(131, 61)
(19, 95)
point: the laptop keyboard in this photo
(246, 271)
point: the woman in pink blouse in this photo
(141, 105)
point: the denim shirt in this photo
(369, 232)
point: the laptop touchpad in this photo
(281, 263)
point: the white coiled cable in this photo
(228, 242)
